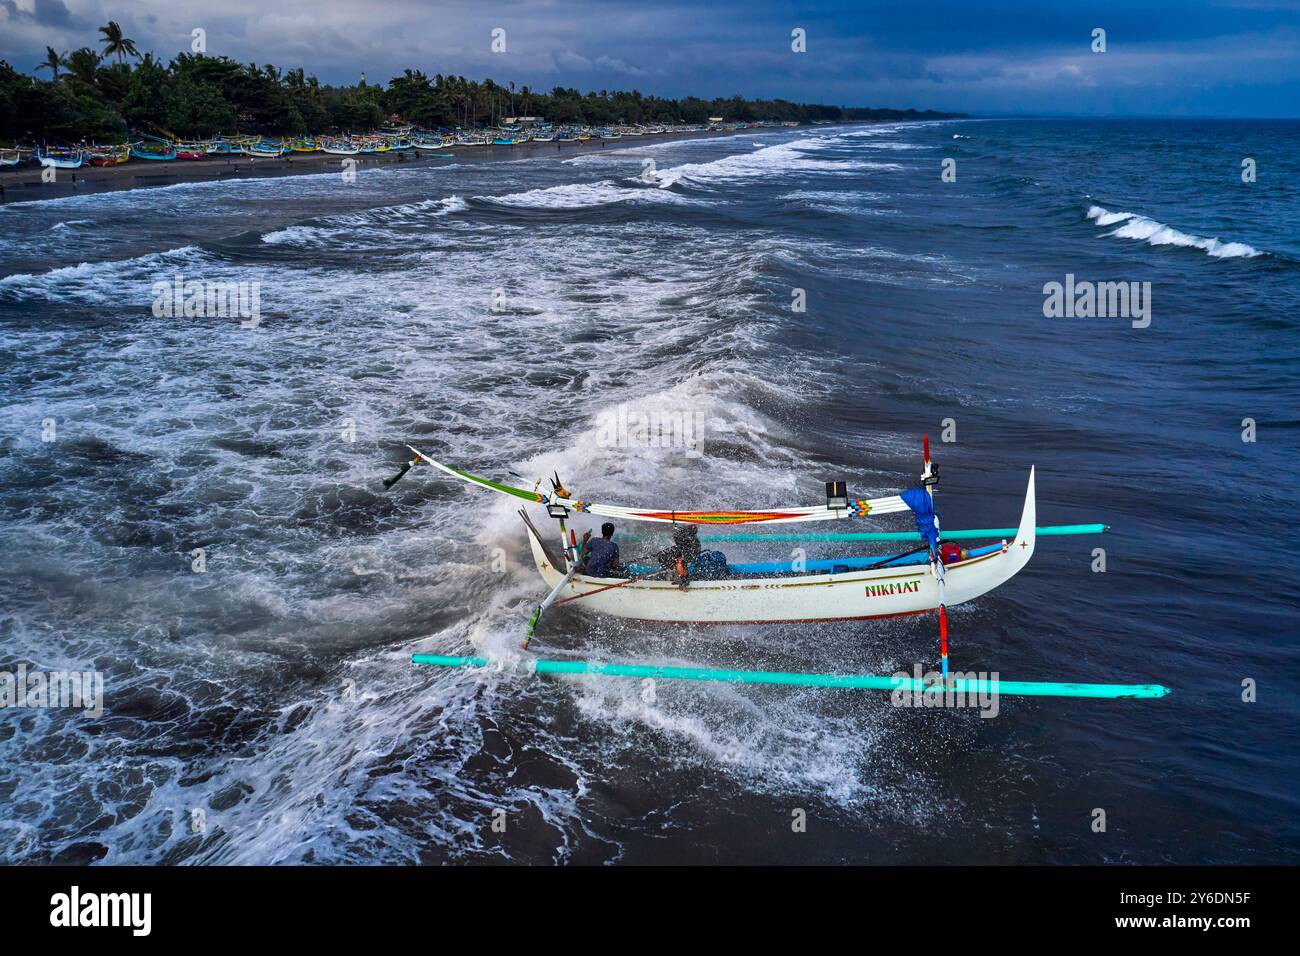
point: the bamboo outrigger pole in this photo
(550, 599)
(791, 679)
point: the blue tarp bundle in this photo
(922, 505)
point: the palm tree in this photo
(83, 66)
(114, 42)
(52, 62)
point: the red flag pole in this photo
(943, 639)
(936, 565)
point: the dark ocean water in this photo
(273, 691)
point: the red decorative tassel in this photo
(943, 631)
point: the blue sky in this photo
(1191, 57)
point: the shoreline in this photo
(25, 185)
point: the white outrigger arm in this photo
(560, 499)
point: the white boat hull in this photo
(849, 595)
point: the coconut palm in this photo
(82, 66)
(114, 42)
(52, 62)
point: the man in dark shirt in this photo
(682, 554)
(601, 556)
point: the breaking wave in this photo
(784, 158)
(1158, 234)
(584, 195)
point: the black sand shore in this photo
(24, 184)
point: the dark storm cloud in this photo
(1195, 56)
(52, 13)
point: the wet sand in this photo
(23, 184)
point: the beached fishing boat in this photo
(154, 147)
(10, 157)
(339, 147)
(159, 151)
(61, 157)
(264, 149)
(305, 146)
(191, 150)
(108, 155)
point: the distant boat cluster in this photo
(392, 140)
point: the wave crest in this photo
(1158, 234)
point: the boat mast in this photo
(560, 512)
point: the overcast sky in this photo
(1164, 57)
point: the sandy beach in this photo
(23, 184)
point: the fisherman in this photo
(682, 554)
(600, 556)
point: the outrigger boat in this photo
(927, 579)
(56, 157)
(264, 149)
(856, 588)
(159, 151)
(108, 155)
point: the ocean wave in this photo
(346, 226)
(583, 196)
(1158, 234)
(198, 198)
(794, 157)
(840, 201)
(98, 282)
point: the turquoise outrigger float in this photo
(970, 687)
(918, 583)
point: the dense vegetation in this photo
(99, 95)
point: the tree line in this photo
(98, 95)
